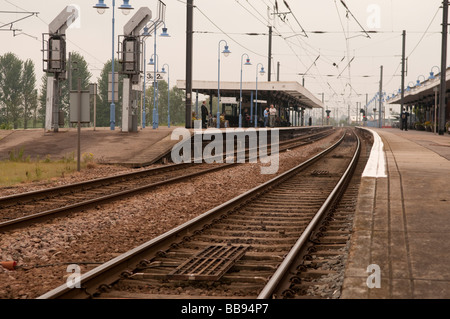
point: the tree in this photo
(29, 90)
(103, 106)
(11, 88)
(177, 106)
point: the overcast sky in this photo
(319, 37)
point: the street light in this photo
(101, 8)
(155, 83)
(431, 77)
(262, 72)
(146, 34)
(240, 98)
(168, 92)
(155, 63)
(418, 81)
(226, 52)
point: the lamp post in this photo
(225, 52)
(155, 86)
(163, 34)
(418, 81)
(256, 104)
(432, 77)
(168, 92)
(145, 35)
(240, 97)
(155, 89)
(101, 8)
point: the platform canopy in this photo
(277, 92)
(422, 92)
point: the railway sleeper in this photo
(255, 247)
(284, 242)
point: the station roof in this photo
(423, 93)
(282, 91)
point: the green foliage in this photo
(6, 126)
(103, 106)
(11, 88)
(18, 95)
(16, 157)
(177, 106)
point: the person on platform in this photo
(272, 115)
(266, 117)
(404, 118)
(204, 115)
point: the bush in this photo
(6, 126)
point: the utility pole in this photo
(278, 71)
(269, 73)
(443, 88)
(322, 108)
(381, 97)
(349, 121)
(403, 77)
(189, 32)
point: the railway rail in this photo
(240, 249)
(23, 209)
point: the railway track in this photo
(240, 249)
(23, 209)
(318, 271)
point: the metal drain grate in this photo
(209, 264)
(320, 173)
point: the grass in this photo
(19, 170)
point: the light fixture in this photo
(226, 52)
(126, 7)
(262, 72)
(101, 6)
(164, 33)
(146, 33)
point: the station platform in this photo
(134, 149)
(401, 237)
(131, 149)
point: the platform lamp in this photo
(155, 86)
(101, 8)
(432, 76)
(226, 52)
(409, 86)
(247, 62)
(155, 63)
(418, 81)
(145, 34)
(261, 72)
(163, 70)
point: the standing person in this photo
(204, 114)
(266, 116)
(404, 117)
(272, 115)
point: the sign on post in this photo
(85, 107)
(151, 76)
(116, 87)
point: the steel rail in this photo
(23, 221)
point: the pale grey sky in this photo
(333, 38)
